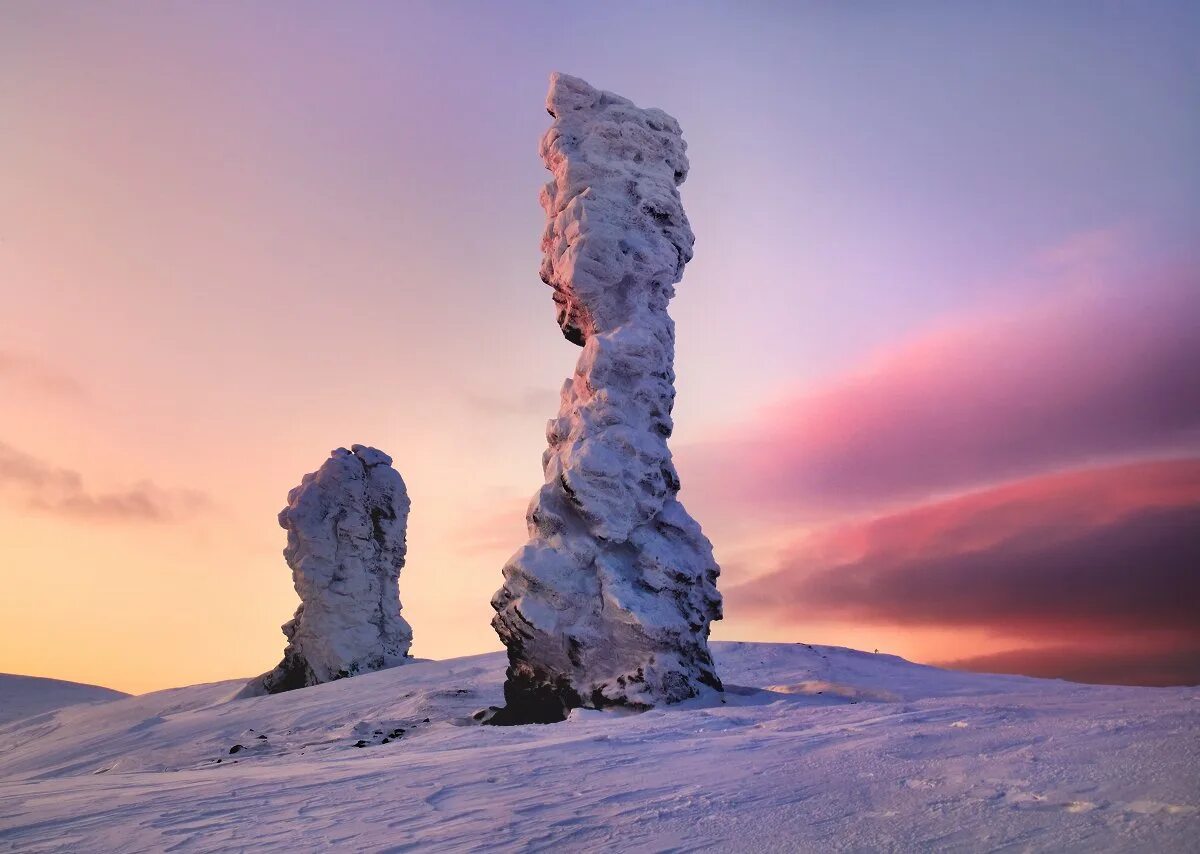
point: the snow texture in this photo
(346, 544)
(609, 603)
(810, 749)
(25, 696)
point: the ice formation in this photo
(610, 601)
(346, 544)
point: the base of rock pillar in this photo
(530, 700)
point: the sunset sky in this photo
(937, 350)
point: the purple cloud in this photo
(1139, 572)
(1094, 554)
(59, 491)
(1096, 549)
(986, 399)
(1168, 662)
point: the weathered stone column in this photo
(609, 603)
(346, 527)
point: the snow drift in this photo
(25, 696)
(809, 749)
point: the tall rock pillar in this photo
(610, 601)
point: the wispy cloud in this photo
(531, 401)
(1093, 553)
(34, 375)
(1031, 475)
(1086, 376)
(38, 485)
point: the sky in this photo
(936, 350)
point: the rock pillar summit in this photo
(610, 601)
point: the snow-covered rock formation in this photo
(610, 601)
(346, 544)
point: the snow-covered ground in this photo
(815, 749)
(26, 696)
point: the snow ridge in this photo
(25, 696)
(811, 748)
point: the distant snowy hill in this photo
(815, 749)
(25, 696)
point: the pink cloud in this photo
(30, 373)
(1094, 552)
(1079, 378)
(36, 484)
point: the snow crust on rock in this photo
(610, 601)
(346, 525)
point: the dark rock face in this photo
(346, 525)
(610, 601)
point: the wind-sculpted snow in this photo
(610, 601)
(809, 749)
(25, 696)
(346, 544)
